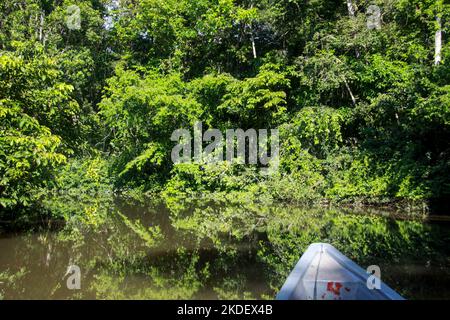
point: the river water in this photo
(144, 250)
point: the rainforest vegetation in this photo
(91, 91)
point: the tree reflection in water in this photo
(145, 250)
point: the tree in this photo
(28, 150)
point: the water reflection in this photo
(144, 250)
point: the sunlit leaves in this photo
(27, 152)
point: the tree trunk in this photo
(253, 46)
(41, 26)
(351, 8)
(350, 91)
(438, 42)
(252, 36)
(351, 13)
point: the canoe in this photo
(324, 273)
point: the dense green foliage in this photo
(363, 113)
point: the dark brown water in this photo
(146, 251)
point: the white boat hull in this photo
(324, 273)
